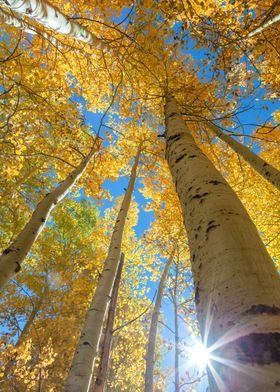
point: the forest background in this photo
(85, 92)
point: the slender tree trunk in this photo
(237, 290)
(52, 18)
(12, 257)
(176, 336)
(270, 22)
(80, 374)
(26, 328)
(150, 357)
(100, 382)
(266, 170)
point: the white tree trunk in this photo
(237, 288)
(101, 378)
(12, 257)
(150, 357)
(81, 371)
(270, 22)
(49, 16)
(266, 170)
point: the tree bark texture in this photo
(237, 290)
(80, 374)
(266, 170)
(150, 357)
(100, 382)
(12, 257)
(52, 18)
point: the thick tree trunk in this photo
(150, 357)
(266, 170)
(237, 290)
(49, 16)
(80, 374)
(100, 382)
(12, 257)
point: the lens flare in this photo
(199, 355)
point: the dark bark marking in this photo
(98, 381)
(215, 182)
(86, 344)
(263, 309)
(180, 158)
(192, 156)
(199, 196)
(196, 296)
(18, 267)
(260, 348)
(174, 137)
(7, 251)
(210, 227)
(172, 114)
(43, 220)
(267, 174)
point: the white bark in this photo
(12, 257)
(16, 22)
(266, 170)
(81, 371)
(237, 287)
(150, 357)
(101, 378)
(49, 16)
(270, 22)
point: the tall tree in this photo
(237, 288)
(101, 377)
(80, 374)
(150, 357)
(266, 170)
(51, 17)
(13, 256)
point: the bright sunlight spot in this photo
(199, 355)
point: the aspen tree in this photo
(266, 170)
(12, 257)
(149, 381)
(100, 382)
(264, 25)
(49, 16)
(237, 290)
(81, 371)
